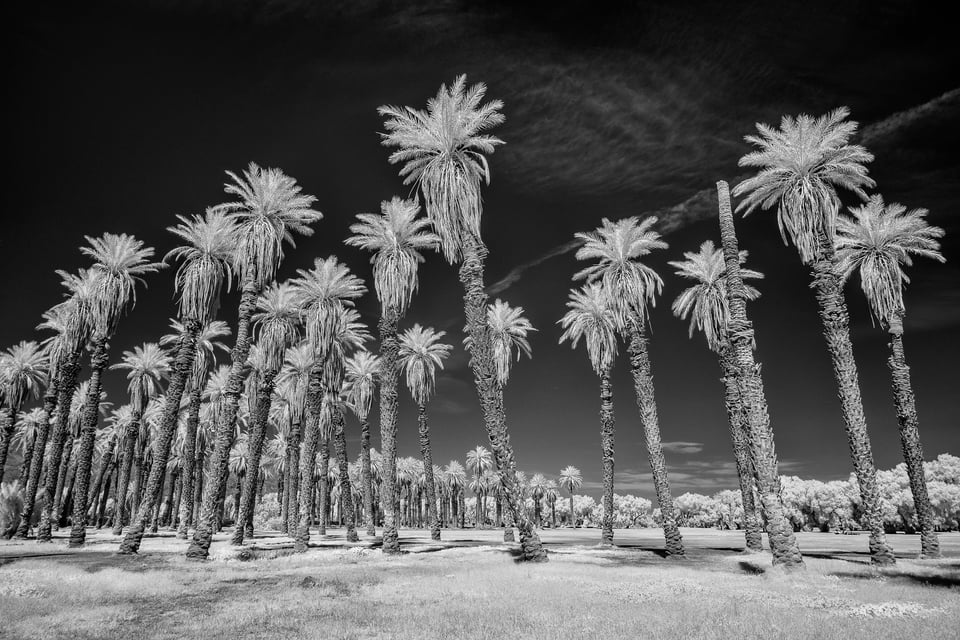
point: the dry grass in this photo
(474, 592)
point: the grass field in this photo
(470, 586)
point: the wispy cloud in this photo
(682, 447)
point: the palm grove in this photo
(297, 364)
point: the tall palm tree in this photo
(550, 493)
(278, 321)
(877, 243)
(479, 462)
(618, 248)
(705, 303)
(538, 488)
(292, 382)
(457, 479)
(269, 210)
(119, 263)
(421, 353)
(571, 480)
(783, 543)
(396, 237)
(362, 375)
(591, 316)
(801, 165)
(147, 366)
(325, 294)
(23, 370)
(443, 152)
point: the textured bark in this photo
(248, 497)
(292, 482)
(752, 530)
(836, 330)
(51, 400)
(106, 468)
(7, 427)
(910, 441)
(102, 504)
(324, 479)
(606, 447)
(121, 514)
(347, 508)
(646, 401)
(427, 456)
(783, 543)
(573, 517)
(306, 483)
(169, 486)
(223, 438)
(198, 477)
(54, 518)
(389, 350)
(180, 374)
(188, 472)
(88, 431)
(366, 482)
(491, 394)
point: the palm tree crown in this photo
(277, 316)
(442, 151)
(706, 301)
(570, 478)
(208, 342)
(23, 370)
(322, 293)
(119, 263)
(421, 353)
(293, 378)
(801, 165)
(878, 241)
(479, 460)
(362, 371)
(592, 318)
(396, 237)
(508, 332)
(618, 247)
(147, 365)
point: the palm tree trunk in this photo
(389, 349)
(189, 462)
(646, 401)
(170, 518)
(7, 426)
(366, 482)
(427, 456)
(606, 444)
(783, 543)
(36, 465)
(324, 479)
(836, 330)
(247, 499)
(106, 468)
(203, 535)
(910, 440)
(735, 417)
(88, 431)
(306, 484)
(491, 394)
(347, 510)
(573, 518)
(102, 504)
(292, 482)
(54, 518)
(169, 486)
(127, 454)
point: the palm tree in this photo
(421, 353)
(457, 479)
(26, 430)
(397, 237)
(801, 165)
(325, 294)
(292, 382)
(23, 370)
(119, 263)
(705, 303)
(277, 318)
(479, 462)
(147, 365)
(551, 494)
(362, 375)
(783, 543)
(270, 209)
(877, 242)
(591, 316)
(618, 248)
(442, 150)
(538, 489)
(570, 479)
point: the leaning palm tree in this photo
(269, 210)
(396, 237)
(591, 317)
(570, 479)
(23, 370)
(508, 335)
(421, 353)
(362, 375)
(801, 166)
(618, 248)
(119, 263)
(877, 243)
(705, 303)
(277, 320)
(443, 152)
(147, 366)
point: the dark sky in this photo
(121, 118)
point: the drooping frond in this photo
(207, 256)
(146, 365)
(362, 371)
(269, 210)
(421, 353)
(508, 334)
(878, 241)
(293, 379)
(801, 166)
(396, 237)
(479, 459)
(277, 317)
(23, 370)
(321, 293)
(570, 478)
(442, 150)
(72, 320)
(706, 302)
(618, 248)
(591, 317)
(26, 426)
